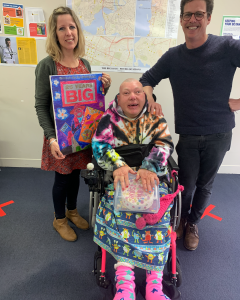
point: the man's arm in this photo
(163, 147)
(152, 77)
(13, 58)
(234, 104)
(102, 141)
(148, 90)
(4, 55)
(234, 54)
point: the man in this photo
(201, 73)
(127, 122)
(8, 54)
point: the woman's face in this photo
(67, 33)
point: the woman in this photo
(66, 47)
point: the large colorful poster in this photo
(78, 104)
(13, 19)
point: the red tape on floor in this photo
(2, 213)
(207, 213)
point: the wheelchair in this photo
(96, 180)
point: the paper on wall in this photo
(13, 21)
(231, 26)
(15, 51)
(36, 24)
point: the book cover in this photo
(78, 105)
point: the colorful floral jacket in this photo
(115, 130)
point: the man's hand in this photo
(55, 150)
(148, 179)
(121, 174)
(155, 108)
(234, 104)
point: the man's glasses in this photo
(199, 15)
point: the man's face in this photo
(8, 43)
(131, 98)
(195, 31)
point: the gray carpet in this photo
(35, 263)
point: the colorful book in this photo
(78, 105)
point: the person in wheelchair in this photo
(125, 122)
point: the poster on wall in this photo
(17, 51)
(35, 22)
(127, 35)
(0, 26)
(13, 19)
(231, 26)
(78, 105)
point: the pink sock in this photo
(125, 283)
(154, 286)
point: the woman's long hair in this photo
(52, 45)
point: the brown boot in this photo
(73, 216)
(181, 228)
(191, 238)
(65, 231)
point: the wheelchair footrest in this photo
(171, 290)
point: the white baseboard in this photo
(36, 163)
(229, 169)
(20, 162)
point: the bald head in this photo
(129, 80)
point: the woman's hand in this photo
(148, 179)
(121, 174)
(55, 150)
(106, 80)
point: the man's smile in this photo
(192, 27)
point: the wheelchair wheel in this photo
(178, 270)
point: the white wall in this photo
(20, 134)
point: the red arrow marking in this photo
(2, 213)
(207, 213)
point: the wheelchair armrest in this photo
(172, 164)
